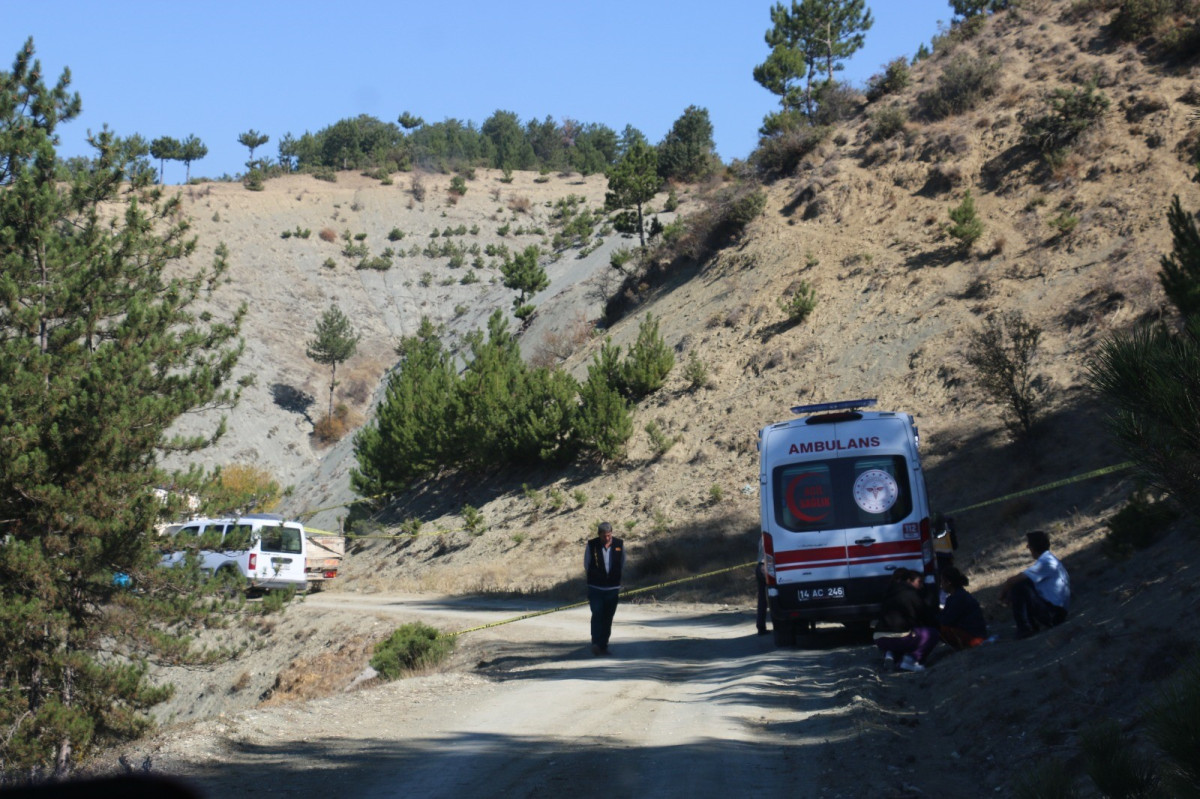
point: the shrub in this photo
(327, 234)
(580, 496)
(473, 520)
(1137, 19)
(619, 258)
(836, 102)
(333, 427)
(715, 493)
(1064, 223)
(411, 647)
(1175, 728)
(1071, 113)
(395, 234)
(1136, 526)
(660, 442)
(887, 122)
(964, 83)
(967, 227)
(458, 185)
(1001, 355)
(1047, 779)
(799, 304)
(744, 209)
(329, 263)
(240, 488)
(695, 372)
(380, 263)
(416, 187)
(779, 154)
(895, 77)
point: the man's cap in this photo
(605, 527)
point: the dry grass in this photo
(519, 205)
(322, 675)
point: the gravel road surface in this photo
(691, 702)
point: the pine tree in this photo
(412, 435)
(335, 342)
(1150, 377)
(632, 183)
(526, 276)
(603, 422)
(816, 35)
(191, 149)
(164, 148)
(492, 395)
(648, 362)
(99, 355)
(252, 140)
(687, 152)
(1180, 275)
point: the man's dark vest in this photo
(595, 572)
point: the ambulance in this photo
(843, 505)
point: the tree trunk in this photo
(829, 50)
(332, 386)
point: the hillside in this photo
(862, 220)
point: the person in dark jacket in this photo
(905, 609)
(602, 560)
(960, 621)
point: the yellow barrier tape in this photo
(624, 593)
(534, 614)
(1047, 487)
(387, 537)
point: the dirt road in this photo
(690, 703)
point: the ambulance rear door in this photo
(885, 491)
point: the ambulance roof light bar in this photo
(844, 405)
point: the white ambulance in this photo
(843, 506)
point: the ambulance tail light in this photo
(253, 561)
(769, 558)
(927, 556)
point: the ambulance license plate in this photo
(828, 592)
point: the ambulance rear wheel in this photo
(785, 633)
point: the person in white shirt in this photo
(1041, 594)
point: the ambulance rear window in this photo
(840, 493)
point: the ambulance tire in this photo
(785, 633)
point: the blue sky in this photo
(218, 68)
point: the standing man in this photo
(603, 559)
(1041, 594)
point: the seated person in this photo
(1041, 594)
(960, 621)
